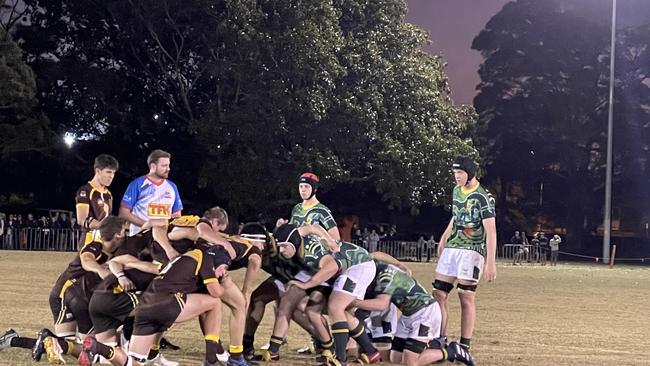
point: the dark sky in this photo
(452, 25)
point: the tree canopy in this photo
(247, 95)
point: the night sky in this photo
(452, 25)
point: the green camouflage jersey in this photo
(349, 255)
(469, 209)
(317, 214)
(405, 292)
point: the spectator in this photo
(431, 247)
(521, 250)
(373, 240)
(421, 246)
(535, 248)
(555, 248)
(2, 229)
(365, 236)
(543, 247)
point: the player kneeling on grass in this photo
(173, 297)
(420, 320)
(352, 270)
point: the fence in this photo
(63, 240)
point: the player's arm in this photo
(208, 234)
(159, 234)
(90, 223)
(381, 302)
(491, 242)
(386, 258)
(321, 232)
(126, 213)
(143, 266)
(116, 266)
(445, 237)
(328, 268)
(89, 263)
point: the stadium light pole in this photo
(607, 220)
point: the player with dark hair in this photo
(467, 245)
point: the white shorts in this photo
(382, 323)
(464, 264)
(423, 326)
(356, 279)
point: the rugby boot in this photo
(5, 339)
(267, 356)
(160, 360)
(166, 344)
(366, 359)
(456, 352)
(237, 361)
(39, 348)
(53, 351)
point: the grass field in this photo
(572, 314)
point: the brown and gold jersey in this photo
(185, 274)
(75, 273)
(100, 204)
(244, 249)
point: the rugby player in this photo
(468, 243)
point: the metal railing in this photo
(63, 240)
(403, 250)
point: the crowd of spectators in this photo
(57, 230)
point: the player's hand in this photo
(491, 271)
(280, 222)
(298, 284)
(126, 283)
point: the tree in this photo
(543, 108)
(247, 95)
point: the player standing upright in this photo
(152, 196)
(468, 243)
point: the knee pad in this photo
(415, 346)
(398, 344)
(443, 286)
(462, 288)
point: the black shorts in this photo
(108, 310)
(157, 312)
(59, 313)
(75, 301)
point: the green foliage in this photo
(250, 94)
(543, 108)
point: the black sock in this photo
(327, 345)
(359, 334)
(211, 348)
(154, 351)
(341, 336)
(465, 342)
(249, 341)
(275, 343)
(23, 342)
(105, 351)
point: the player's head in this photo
(288, 240)
(307, 185)
(220, 259)
(464, 169)
(113, 230)
(159, 163)
(218, 218)
(257, 234)
(105, 168)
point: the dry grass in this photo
(572, 314)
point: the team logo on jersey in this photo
(159, 210)
(100, 202)
(83, 194)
